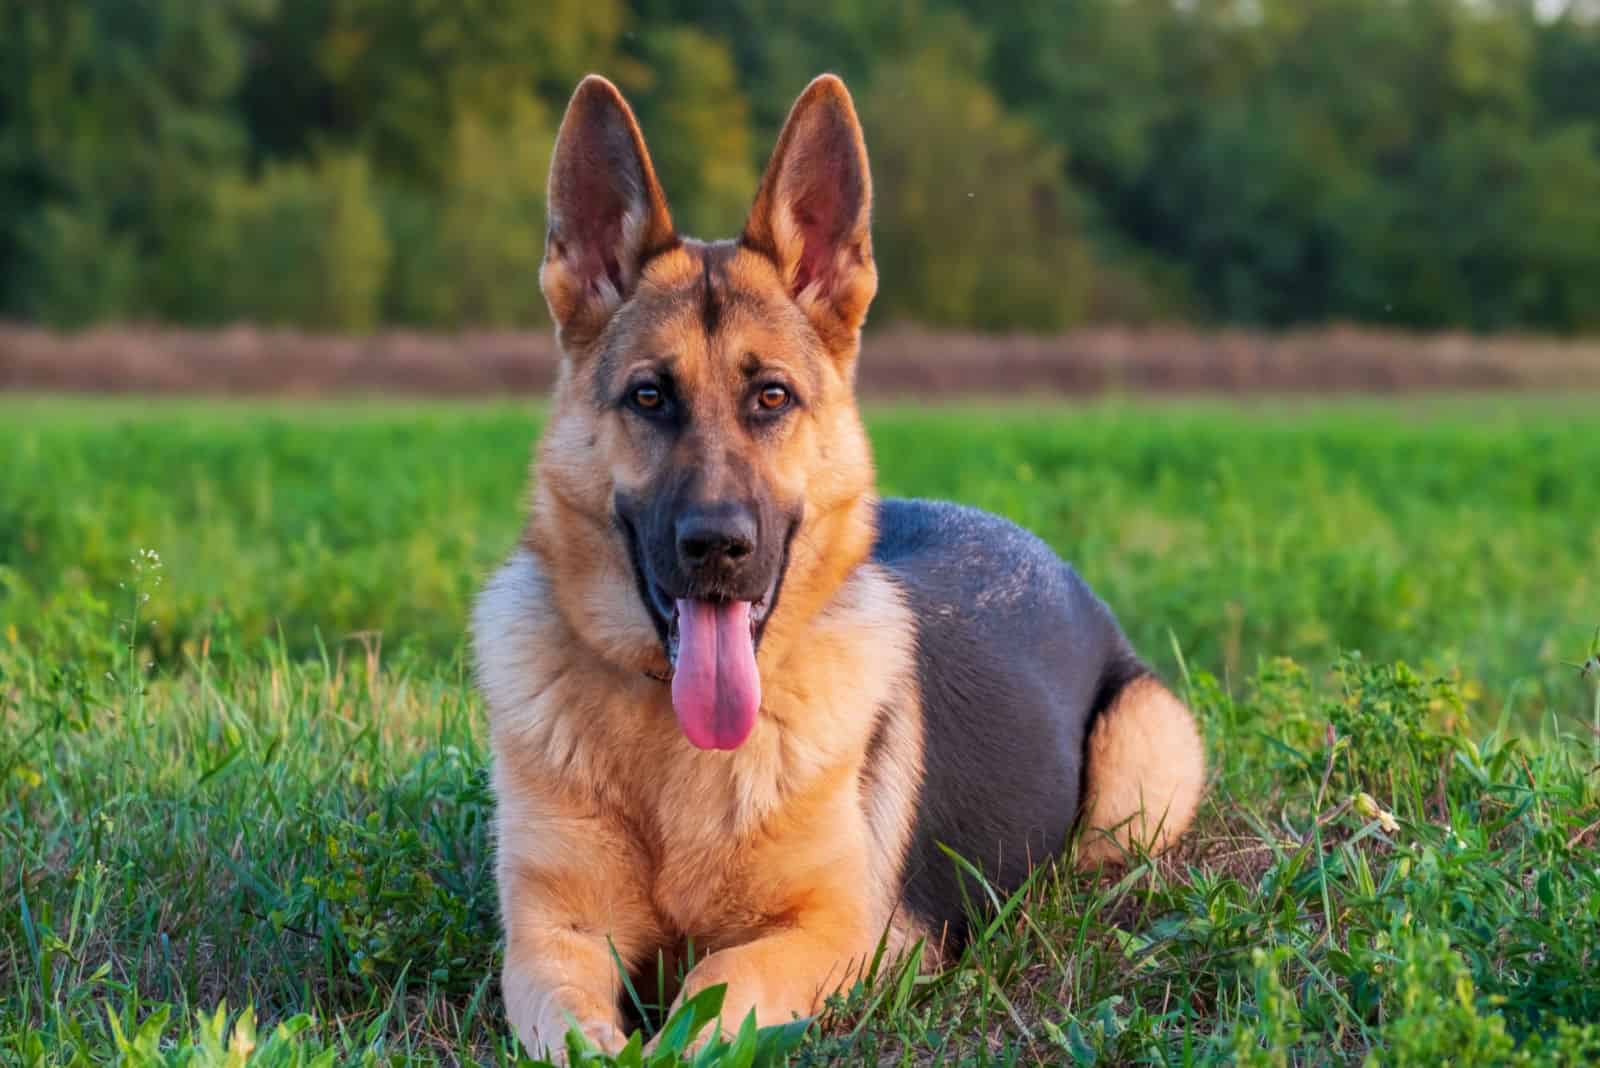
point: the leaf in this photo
(1545, 888)
(691, 1018)
(631, 1055)
(742, 1052)
(774, 1044)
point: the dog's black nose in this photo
(715, 536)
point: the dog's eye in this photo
(773, 398)
(647, 398)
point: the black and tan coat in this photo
(926, 674)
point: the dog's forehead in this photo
(706, 308)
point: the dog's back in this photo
(1018, 666)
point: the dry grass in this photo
(900, 361)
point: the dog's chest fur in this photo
(576, 737)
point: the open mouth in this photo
(673, 611)
(710, 642)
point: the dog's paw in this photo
(603, 1036)
(741, 995)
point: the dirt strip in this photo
(897, 361)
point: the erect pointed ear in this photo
(607, 214)
(813, 215)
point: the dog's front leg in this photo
(572, 903)
(819, 890)
(556, 978)
(812, 877)
(783, 975)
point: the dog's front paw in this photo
(601, 1035)
(743, 994)
(712, 971)
(543, 1030)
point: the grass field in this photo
(242, 763)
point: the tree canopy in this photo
(349, 163)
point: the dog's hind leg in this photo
(1146, 770)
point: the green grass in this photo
(250, 772)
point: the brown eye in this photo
(647, 398)
(774, 398)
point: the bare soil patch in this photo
(897, 361)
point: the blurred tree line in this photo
(348, 163)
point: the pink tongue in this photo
(715, 689)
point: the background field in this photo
(1449, 532)
(251, 769)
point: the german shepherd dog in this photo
(736, 700)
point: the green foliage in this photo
(1533, 200)
(691, 1024)
(779, 47)
(1425, 163)
(975, 225)
(79, 271)
(308, 836)
(405, 70)
(409, 882)
(114, 123)
(1440, 1017)
(1295, 162)
(419, 290)
(698, 128)
(1437, 1015)
(1299, 533)
(491, 237)
(1270, 1041)
(301, 245)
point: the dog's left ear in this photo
(607, 213)
(813, 214)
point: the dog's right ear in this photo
(607, 213)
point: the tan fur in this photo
(1146, 772)
(610, 824)
(783, 858)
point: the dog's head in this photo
(704, 483)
